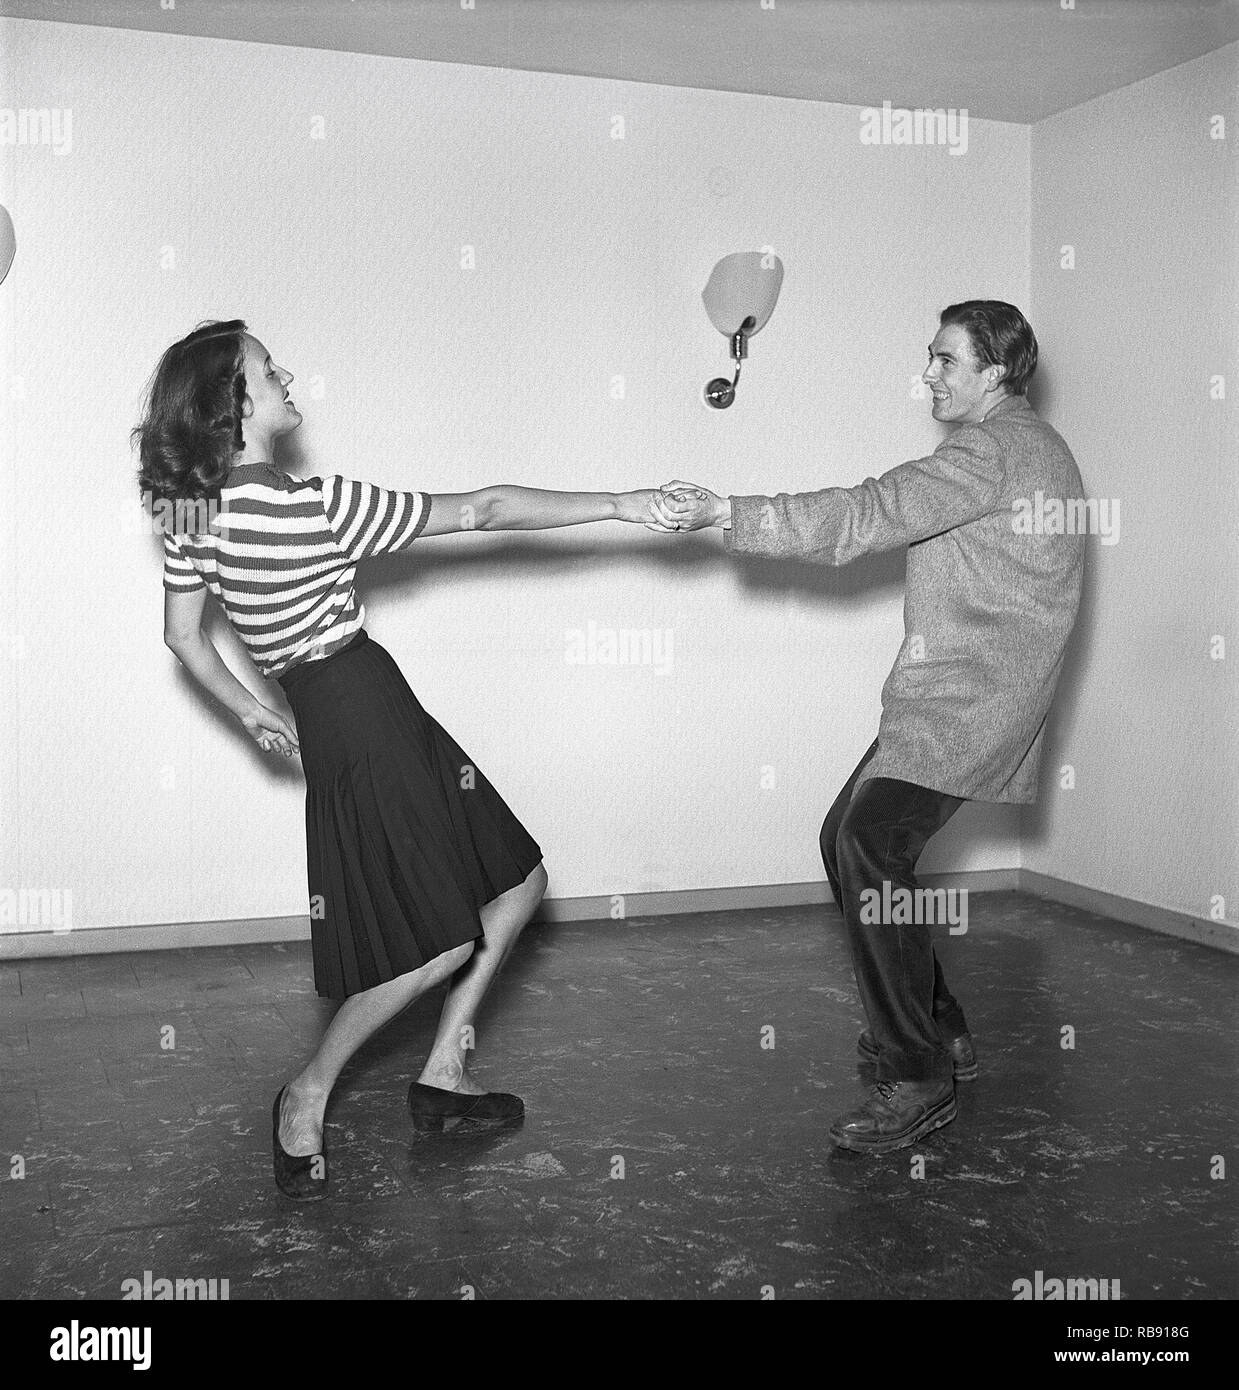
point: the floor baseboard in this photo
(1223, 936)
(159, 936)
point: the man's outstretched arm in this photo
(961, 481)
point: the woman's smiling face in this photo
(272, 412)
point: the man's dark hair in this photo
(1000, 336)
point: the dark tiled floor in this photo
(638, 1040)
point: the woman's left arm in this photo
(183, 634)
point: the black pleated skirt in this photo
(405, 838)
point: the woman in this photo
(418, 871)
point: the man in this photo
(988, 610)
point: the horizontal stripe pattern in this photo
(282, 554)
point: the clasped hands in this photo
(678, 506)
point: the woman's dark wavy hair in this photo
(190, 432)
(1001, 337)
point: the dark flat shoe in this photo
(963, 1055)
(432, 1107)
(303, 1178)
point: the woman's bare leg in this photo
(356, 1020)
(502, 920)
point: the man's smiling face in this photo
(962, 387)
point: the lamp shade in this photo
(8, 242)
(746, 283)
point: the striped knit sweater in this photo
(281, 556)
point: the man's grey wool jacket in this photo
(990, 600)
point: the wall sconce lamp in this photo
(740, 296)
(8, 243)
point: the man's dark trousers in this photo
(876, 834)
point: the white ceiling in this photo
(1009, 60)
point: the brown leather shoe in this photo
(962, 1053)
(896, 1114)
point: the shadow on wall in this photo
(521, 557)
(971, 830)
(1041, 392)
(677, 559)
(872, 577)
(1036, 822)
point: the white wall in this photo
(193, 190)
(1132, 338)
